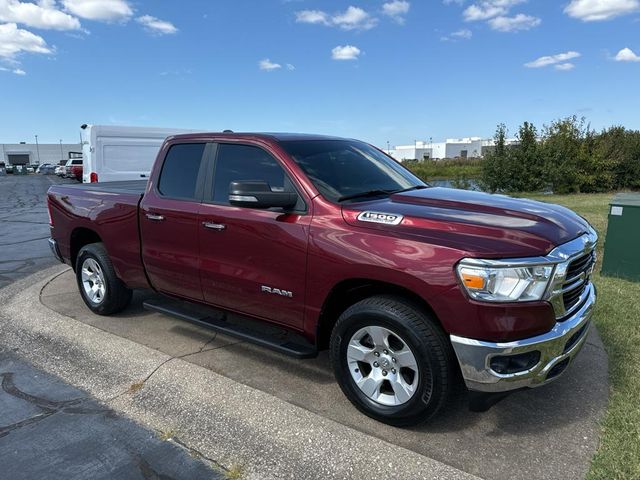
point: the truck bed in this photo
(136, 187)
(110, 211)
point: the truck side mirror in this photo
(258, 194)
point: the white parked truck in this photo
(113, 153)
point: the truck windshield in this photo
(350, 170)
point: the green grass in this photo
(617, 317)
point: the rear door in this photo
(169, 222)
(253, 261)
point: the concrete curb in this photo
(237, 426)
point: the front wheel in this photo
(102, 291)
(392, 360)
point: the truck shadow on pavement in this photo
(549, 432)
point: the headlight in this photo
(491, 283)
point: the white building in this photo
(32, 154)
(468, 147)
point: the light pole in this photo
(388, 147)
(61, 154)
(38, 149)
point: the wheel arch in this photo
(80, 237)
(350, 291)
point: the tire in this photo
(393, 392)
(102, 291)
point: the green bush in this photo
(567, 157)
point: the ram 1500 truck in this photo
(410, 287)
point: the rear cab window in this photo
(181, 171)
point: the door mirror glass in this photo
(258, 194)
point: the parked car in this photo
(46, 169)
(9, 168)
(73, 169)
(116, 153)
(76, 172)
(30, 169)
(60, 170)
(410, 287)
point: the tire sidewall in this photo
(83, 255)
(425, 400)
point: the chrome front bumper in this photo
(557, 349)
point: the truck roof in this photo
(278, 136)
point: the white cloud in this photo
(488, 9)
(396, 9)
(43, 14)
(290, 67)
(560, 58)
(564, 66)
(268, 65)
(627, 55)
(515, 23)
(104, 10)
(353, 18)
(16, 71)
(451, 2)
(14, 41)
(313, 16)
(464, 34)
(345, 52)
(157, 26)
(595, 10)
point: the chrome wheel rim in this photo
(93, 282)
(382, 365)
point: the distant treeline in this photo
(564, 157)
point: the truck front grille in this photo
(577, 279)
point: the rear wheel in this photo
(102, 291)
(392, 360)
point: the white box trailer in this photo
(111, 153)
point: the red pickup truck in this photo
(410, 287)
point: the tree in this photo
(526, 168)
(563, 153)
(494, 175)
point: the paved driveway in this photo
(545, 433)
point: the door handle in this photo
(218, 227)
(154, 217)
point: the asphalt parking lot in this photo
(546, 433)
(24, 225)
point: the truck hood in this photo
(478, 223)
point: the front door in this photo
(253, 261)
(169, 222)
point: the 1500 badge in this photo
(380, 217)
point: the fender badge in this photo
(380, 217)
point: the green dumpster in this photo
(621, 252)
(20, 169)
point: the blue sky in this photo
(377, 70)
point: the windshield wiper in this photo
(370, 193)
(374, 193)
(415, 187)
